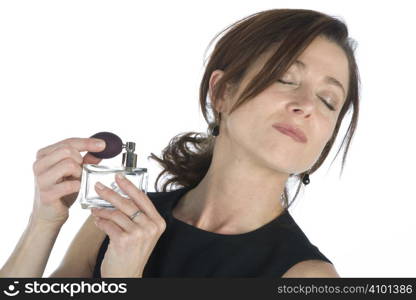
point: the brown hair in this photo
(292, 30)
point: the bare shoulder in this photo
(312, 268)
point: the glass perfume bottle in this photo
(91, 173)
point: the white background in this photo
(74, 68)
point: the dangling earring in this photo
(216, 130)
(305, 179)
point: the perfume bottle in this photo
(91, 173)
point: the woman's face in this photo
(249, 131)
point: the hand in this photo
(57, 170)
(131, 241)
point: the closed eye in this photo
(327, 104)
(284, 82)
(330, 107)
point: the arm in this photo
(31, 253)
(80, 258)
(312, 268)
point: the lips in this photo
(296, 133)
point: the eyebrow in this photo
(328, 79)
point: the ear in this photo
(220, 103)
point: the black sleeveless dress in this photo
(187, 251)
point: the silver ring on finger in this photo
(135, 214)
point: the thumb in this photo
(90, 159)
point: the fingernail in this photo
(100, 144)
(99, 185)
(120, 176)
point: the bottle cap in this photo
(113, 145)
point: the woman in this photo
(280, 83)
(275, 69)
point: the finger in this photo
(80, 144)
(55, 174)
(124, 204)
(116, 216)
(65, 188)
(111, 229)
(139, 198)
(90, 159)
(55, 156)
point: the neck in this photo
(233, 197)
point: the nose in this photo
(302, 100)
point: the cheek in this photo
(242, 127)
(246, 119)
(322, 139)
(331, 130)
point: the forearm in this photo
(31, 254)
